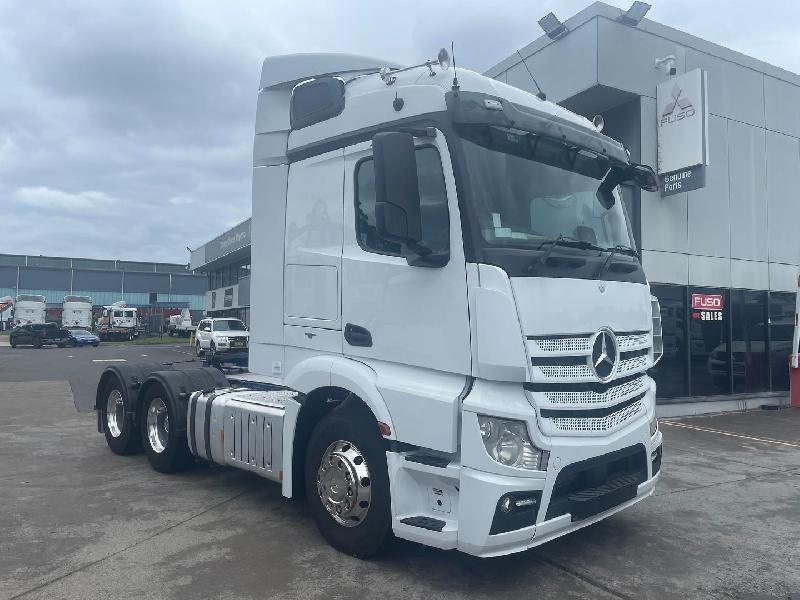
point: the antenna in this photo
(540, 95)
(455, 75)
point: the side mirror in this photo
(641, 176)
(397, 206)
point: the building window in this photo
(433, 204)
(708, 341)
(670, 373)
(749, 341)
(781, 316)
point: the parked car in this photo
(81, 337)
(221, 335)
(39, 334)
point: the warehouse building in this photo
(146, 285)
(719, 241)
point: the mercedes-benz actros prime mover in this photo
(451, 327)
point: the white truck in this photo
(181, 324)
(77, 312)
(450, 327)
(30, 309)
(118, 322)
(6, 307)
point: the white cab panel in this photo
(565, 306)
(314, 242)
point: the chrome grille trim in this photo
(567, 372)
(575, 345)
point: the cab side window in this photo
(433, 203)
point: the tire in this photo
(345, 435)
(121, 436)
(73, 343)
(37, 343)
(13, 343)
(166, 450)
(198, 349)
(95, 344)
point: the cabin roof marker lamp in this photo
(634, 15)
(552, 27)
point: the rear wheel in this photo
(37, 343)
(117, 425)
(166, 450)
(13, 343)
(73, 342)
(347, 481)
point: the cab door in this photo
(392, 311)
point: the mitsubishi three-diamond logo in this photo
(677, 110)
(603, 359)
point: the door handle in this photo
(355, 335)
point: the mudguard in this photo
(178, 385)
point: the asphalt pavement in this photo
(80, 522)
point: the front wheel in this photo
(347, 481)
(13, 343)
(166, 450)
(198, 349)
(73, 343)
(37, 343)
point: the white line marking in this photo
(144, 354)
(70, 356)
(728, 433)
(109, 360)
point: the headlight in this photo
(653, 426)
(223, 339)
(507, 442)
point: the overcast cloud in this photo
(126, 126)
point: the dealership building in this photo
(225, 262)
(139, 284)
(719, 240)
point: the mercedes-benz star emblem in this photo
(603, 360)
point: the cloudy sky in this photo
(126, 126)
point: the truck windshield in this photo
(527, 190)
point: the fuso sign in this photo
(706, 302)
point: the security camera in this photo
(668, 64)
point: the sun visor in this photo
(477, 108)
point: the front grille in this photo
(603, 423)
(615, 393)
(565, 358)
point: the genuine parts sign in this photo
(682, 114)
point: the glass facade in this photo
(721, 342)
(228, 275)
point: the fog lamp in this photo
(507, 442)
(653, 426)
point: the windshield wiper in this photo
(618, 248)
(561, 240)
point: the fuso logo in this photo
(706, 302)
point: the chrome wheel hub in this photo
(115, 413)
(343, 483)
(158, 425)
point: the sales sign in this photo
(707, 307)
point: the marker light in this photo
(444, 59)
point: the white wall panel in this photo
(748, 191)
(709, 271)
(749, 274)
(709, 208)
(783, 198)
(666, 267)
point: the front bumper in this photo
(588, 478)
(474, 537)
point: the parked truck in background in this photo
(6, 309)
(450, 324)
(181, 325)
(118, 322)
(30, 309)
(77, 312)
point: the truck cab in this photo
(30, 309)
(77, 312)
(451, 326)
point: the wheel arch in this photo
(325, 382)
